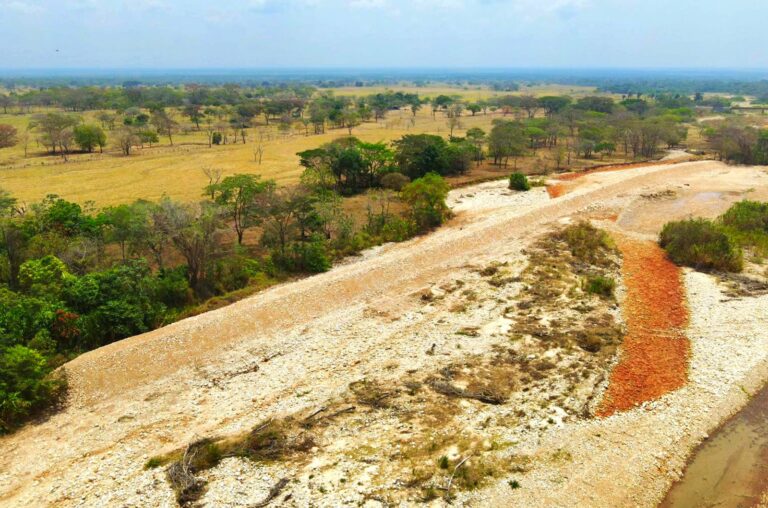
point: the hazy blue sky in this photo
(383, 33)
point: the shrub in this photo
(172, 287)
(747, 216)
(426, 197)
(519, 182)
(587, 243)
(700, 244)
(601, 286)
(24, 385)
(395, 181)
(397, 230)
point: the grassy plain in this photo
(176, 171)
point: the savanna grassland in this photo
(176, 171)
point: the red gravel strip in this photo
(558, 189)
(555, 190)
(655, 352)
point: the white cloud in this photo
(368, 4)
(21, 6)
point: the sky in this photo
(167, 34)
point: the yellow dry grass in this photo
(111, 178)
(176, 171)
(469, 92)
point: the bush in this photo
(395, 181)
(426, 197)
(304, 257)
(700, 244)
(234, 272)
(747, 216)
(519, 182)
(601, 286)
(172, 287)
(24, 386)
(396, 229)
(746, 224)
(587, 243)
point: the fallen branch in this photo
(455, 470)
(316, 412)
(273, 493)
(487, 397)
(272, 356)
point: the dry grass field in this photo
(176, 171)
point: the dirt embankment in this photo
(297, 346)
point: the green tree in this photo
(244, 197)
(24, 386)
(89, 136)
(418, 154)
(507, 139)
(477, 137)
(426, 198)
(553, 104)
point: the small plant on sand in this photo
(587, 243)
(601, 286)
(519, 182)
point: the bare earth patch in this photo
(655, 352)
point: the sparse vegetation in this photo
(519, 182)
(587, 243)
(601, 286)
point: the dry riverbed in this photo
(468, 364)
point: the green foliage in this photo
(507, 139)
(587, 243)
(89, 136)
(244, 197)
(115, 303)
(419, 154)
(700, 244)
(601, 286)
(44, 277)
(24, 385)
(348, 165)
(596, 103)
(426, 197)
(519, 182)
(746, 223)
(747, 216)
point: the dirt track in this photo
(207, 375)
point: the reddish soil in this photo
(655, 352)
(614, 167)
(559, 189)
(556, 190)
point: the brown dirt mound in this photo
(655, 352)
